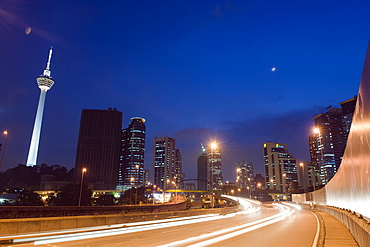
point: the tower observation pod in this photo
(44, 82)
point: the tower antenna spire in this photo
(47, 70)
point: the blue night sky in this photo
(195, 70)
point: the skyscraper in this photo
(202, 171)
(215, 166)
(178, 175)
(348, 109)
(245, 175)
(98, 148)
(44, 82)
(164, 161)
(131, 168)
(280, 166)
(328, 143)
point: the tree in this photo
(134, 196)
(29, 198)
(106, 200)
(70, 193)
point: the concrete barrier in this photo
(13, 212)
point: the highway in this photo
(257, 225)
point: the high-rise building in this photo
(164, 162)
(178, 175)
(348, 109)
(202, 171)
(215, 166)
(98, 148)
(245, 175)
(44, 82)
(280, 166)
(131, 167)
(327, 145)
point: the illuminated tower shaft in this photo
(45, 82)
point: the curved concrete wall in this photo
(350, 187)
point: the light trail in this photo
(233, 231)
(106, 227)
(118, 229)
(112, 232)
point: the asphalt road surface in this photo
(257, 225)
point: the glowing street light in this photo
(173, 182)
(131, 181)
(3, 151)
(154, 186)
(214, 145)
(82, 180)
(303, 177)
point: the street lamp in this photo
(154, 186)
(250, 188)
(2, 154)
(173, 182)
(213, 146)
(303, 177)
(259, 185)
(131, 181)
(273, 189)
(284, 182)
(82, 180)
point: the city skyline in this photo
(200, 72)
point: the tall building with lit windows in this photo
(131, 167)
(327, 145)
(215, 167)
(280, 166)
(245, 175)
(178, 175)
(98, 148)
(348, 109)
(164, 162)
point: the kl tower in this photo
(45, 82)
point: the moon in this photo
(273, 69)
(27, 31)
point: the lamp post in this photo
(82, 181)
(303, 177)
(173, 182)
(131, 181)
(154, 186)
(2, 154)
(259, 185)
(273, 189)
(250, 188)
(213, 146)
(284, 182)
(137, 183)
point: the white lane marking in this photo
(316, 239)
